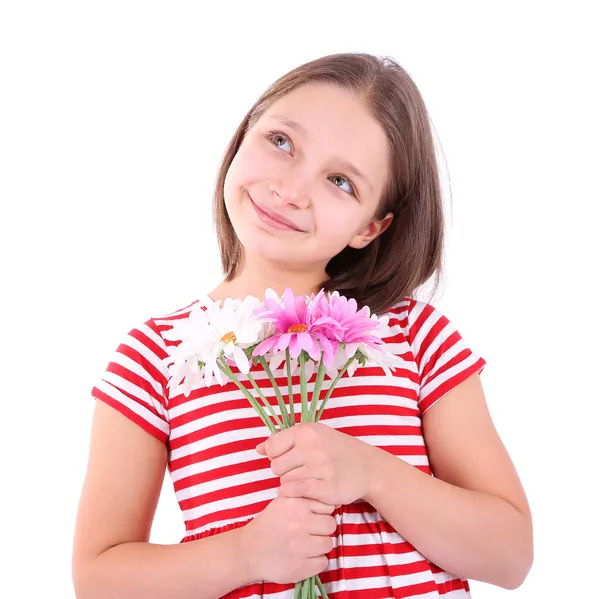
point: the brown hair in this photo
(410, 251)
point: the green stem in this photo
(290, 388)
(322, 588)
(335, 382)
(222, 364)
(303, 387)
(305, 587)
(310, 584)
(265, 401)
(317, 390)
(282, 408)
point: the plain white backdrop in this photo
(113, 119)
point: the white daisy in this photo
(207, 335)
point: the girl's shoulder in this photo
(441, 355)
(422, 323)
(409, 310)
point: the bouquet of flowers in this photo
(324, 333)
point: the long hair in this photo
(405, 256)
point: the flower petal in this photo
(332, 373)
(295, 347)
(241, 360)
(314, 351)
(264, 346)
(351, 350)
(284, 341)
(304, 340)
(352, 368)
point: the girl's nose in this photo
(290, 192)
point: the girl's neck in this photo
(255, 284)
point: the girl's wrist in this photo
(375, 473)
(245, 554)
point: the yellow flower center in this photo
(229, 338)
(298, 328)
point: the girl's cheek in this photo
(253, 163)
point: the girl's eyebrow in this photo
(345, 164)
(291, 124)
(348, 166)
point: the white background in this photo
(113, 120)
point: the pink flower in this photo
(298, 328)
(355, 326)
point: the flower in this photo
(208, 335)
(362, 335)
(355, 326)
(298, 329)
(190, 370)
(385, 360)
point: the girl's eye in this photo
(336, 179)
(278, 139)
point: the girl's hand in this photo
(288, 541)
(315, 461)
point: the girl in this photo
(329, 182)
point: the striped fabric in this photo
(221, 482)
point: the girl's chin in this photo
(271, 251)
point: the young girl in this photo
(403, 489)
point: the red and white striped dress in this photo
(221, 482)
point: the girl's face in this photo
(307, 179)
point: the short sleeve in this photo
(443, 358)
(134, 382)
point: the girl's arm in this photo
(111, 554)
(473, 518)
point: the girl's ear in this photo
(375, 228)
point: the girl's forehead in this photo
(317, 100)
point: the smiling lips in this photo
(274, 219)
